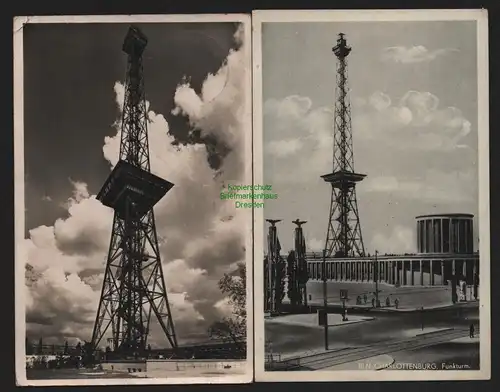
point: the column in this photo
(453, 268)
(464, 269)
(466, 242)
(442, 273)
(411, 274)
(424, 233)
(441, 237)
(421, 272)
(431, 271)
(459, 247)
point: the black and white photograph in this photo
(373, 258)
(130, 266)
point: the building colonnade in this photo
(406, 272)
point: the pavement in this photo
(311, 320)
(290, 340)
(424, 331)
(355, 356)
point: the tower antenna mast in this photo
(134, 289)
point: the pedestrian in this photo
(365, 298)
(373, 302)
(396, 303)
(471, 331)
(387, 302)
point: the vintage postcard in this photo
(372, 256)
(130, 266)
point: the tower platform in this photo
(128, 182)
(340, 179)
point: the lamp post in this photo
(325, 300)
(375, 277)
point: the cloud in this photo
(433, 186)
(197, 244)
(291, 126)
(298, 135)
(283, 148)
(416, 154)
(412, 54)
(414, 122)
(400, 240)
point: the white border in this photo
(481, 17)
(20, 206)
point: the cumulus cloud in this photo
(433, 186)
(298, 135)
(413, 150)
(414, 122)
(197, 243)
(400, 240)
(291, 126)
(412, 54)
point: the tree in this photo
(40, 347)
(29, 347)
(88, 357)
(233, 328)
(78, 349)
(302, 278)
(292, 282)
(279, 279)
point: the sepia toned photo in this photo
(373, 261)
(130, 266)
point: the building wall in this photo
(452, 233)
(403, 270)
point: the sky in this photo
(73, 81)
(413, 93)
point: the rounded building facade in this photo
(445, 233)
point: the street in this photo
(386, 329)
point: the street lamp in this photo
(325, 300)
(375, 277)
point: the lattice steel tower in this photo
(343, 237)
(134, 286)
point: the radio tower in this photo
(272, 266)
(300, 259)
(134, 286)
(343, 237)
